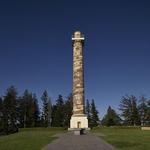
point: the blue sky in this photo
(36, 50)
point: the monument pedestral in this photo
(79, 122)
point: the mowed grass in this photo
(29, 139)
(125, 138)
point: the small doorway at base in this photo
(78, 124)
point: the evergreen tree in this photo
(1, 107)
(49, 105)
(148, 113)
(10, 111)
(94, 115)
(20, 112)
(111, 118)
(58, 113)
(68, 106)
(36, 110)
(135, 113)
(88, 111)
(143, 109)
(128, 106)
(47, 109)
(54, 111)
(23, 108)
(29, 111)
(1, 116)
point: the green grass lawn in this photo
(37, 138)
(125, 138)
(29, 139)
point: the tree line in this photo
(23, 111)
(134, 111)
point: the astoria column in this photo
(78, 119)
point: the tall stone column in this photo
(78, 119)
(78, 74)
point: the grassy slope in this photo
(29, 139)
(127, 138)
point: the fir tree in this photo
(94, 115)
(135, 113)
(111, 118)
(68, 106)
(10, 111)
(143, 110)
(148, 113)
(1, 116)
(47, 108)
(49, 105)
(128, 106)
(29, 110)
(23, 105)
(88, 111)
(58, 113)
(36, 110)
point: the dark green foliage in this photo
(94, 115)
(54, 111)
(88, 110)
(26, 113)
(1, 116)
(129, 109)
(49, 105)
(36, 111)
(47, 109)
(68, 106)
(111, 118)
(58, 113)
(133, 113)
(28, 110)
(10, 111)
(148, 113)
(143, 110)
(23, 111)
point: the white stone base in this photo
(78, 122)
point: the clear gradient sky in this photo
(36, 50)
